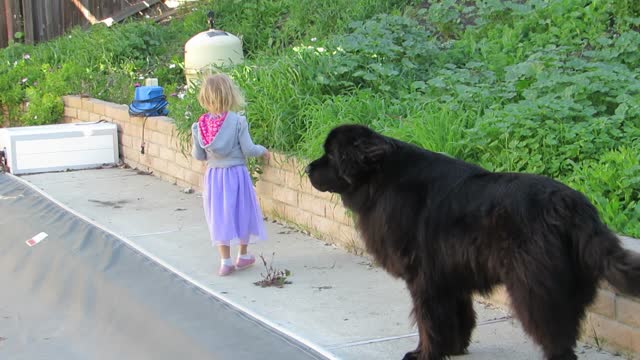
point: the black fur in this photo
(451, 229)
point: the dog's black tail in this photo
(602, 254)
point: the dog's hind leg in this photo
(551, 315)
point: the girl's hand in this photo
(266, 155)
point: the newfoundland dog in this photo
(451, 229)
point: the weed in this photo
(273, 277)
(354, 246)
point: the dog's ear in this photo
(363, 156)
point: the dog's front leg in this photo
(439, 328)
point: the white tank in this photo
(211, 48)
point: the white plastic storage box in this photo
(36, 149)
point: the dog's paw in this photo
(568, 355)
(418, 355)
(460, 352)
(412, 355)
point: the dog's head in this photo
(352, 153)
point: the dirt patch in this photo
(112, 204)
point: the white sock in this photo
(245, 256)
(226, 261)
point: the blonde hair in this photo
(219, 94)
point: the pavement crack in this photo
(391, 338)
(323, 267)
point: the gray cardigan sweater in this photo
(231, 145)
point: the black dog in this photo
(450, 229)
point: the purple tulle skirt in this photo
(231, 207)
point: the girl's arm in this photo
(249, 149)
(196, 150)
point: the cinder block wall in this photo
(613, 322)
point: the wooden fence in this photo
(40, 20)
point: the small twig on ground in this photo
(320, 288)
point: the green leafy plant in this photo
(612, 183)
(382, 53)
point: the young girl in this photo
(221, 137)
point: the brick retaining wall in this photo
(613, 321)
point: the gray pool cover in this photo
(84, 293)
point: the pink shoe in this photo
(226, 270)
(245, 263)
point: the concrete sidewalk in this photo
(336, 299)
